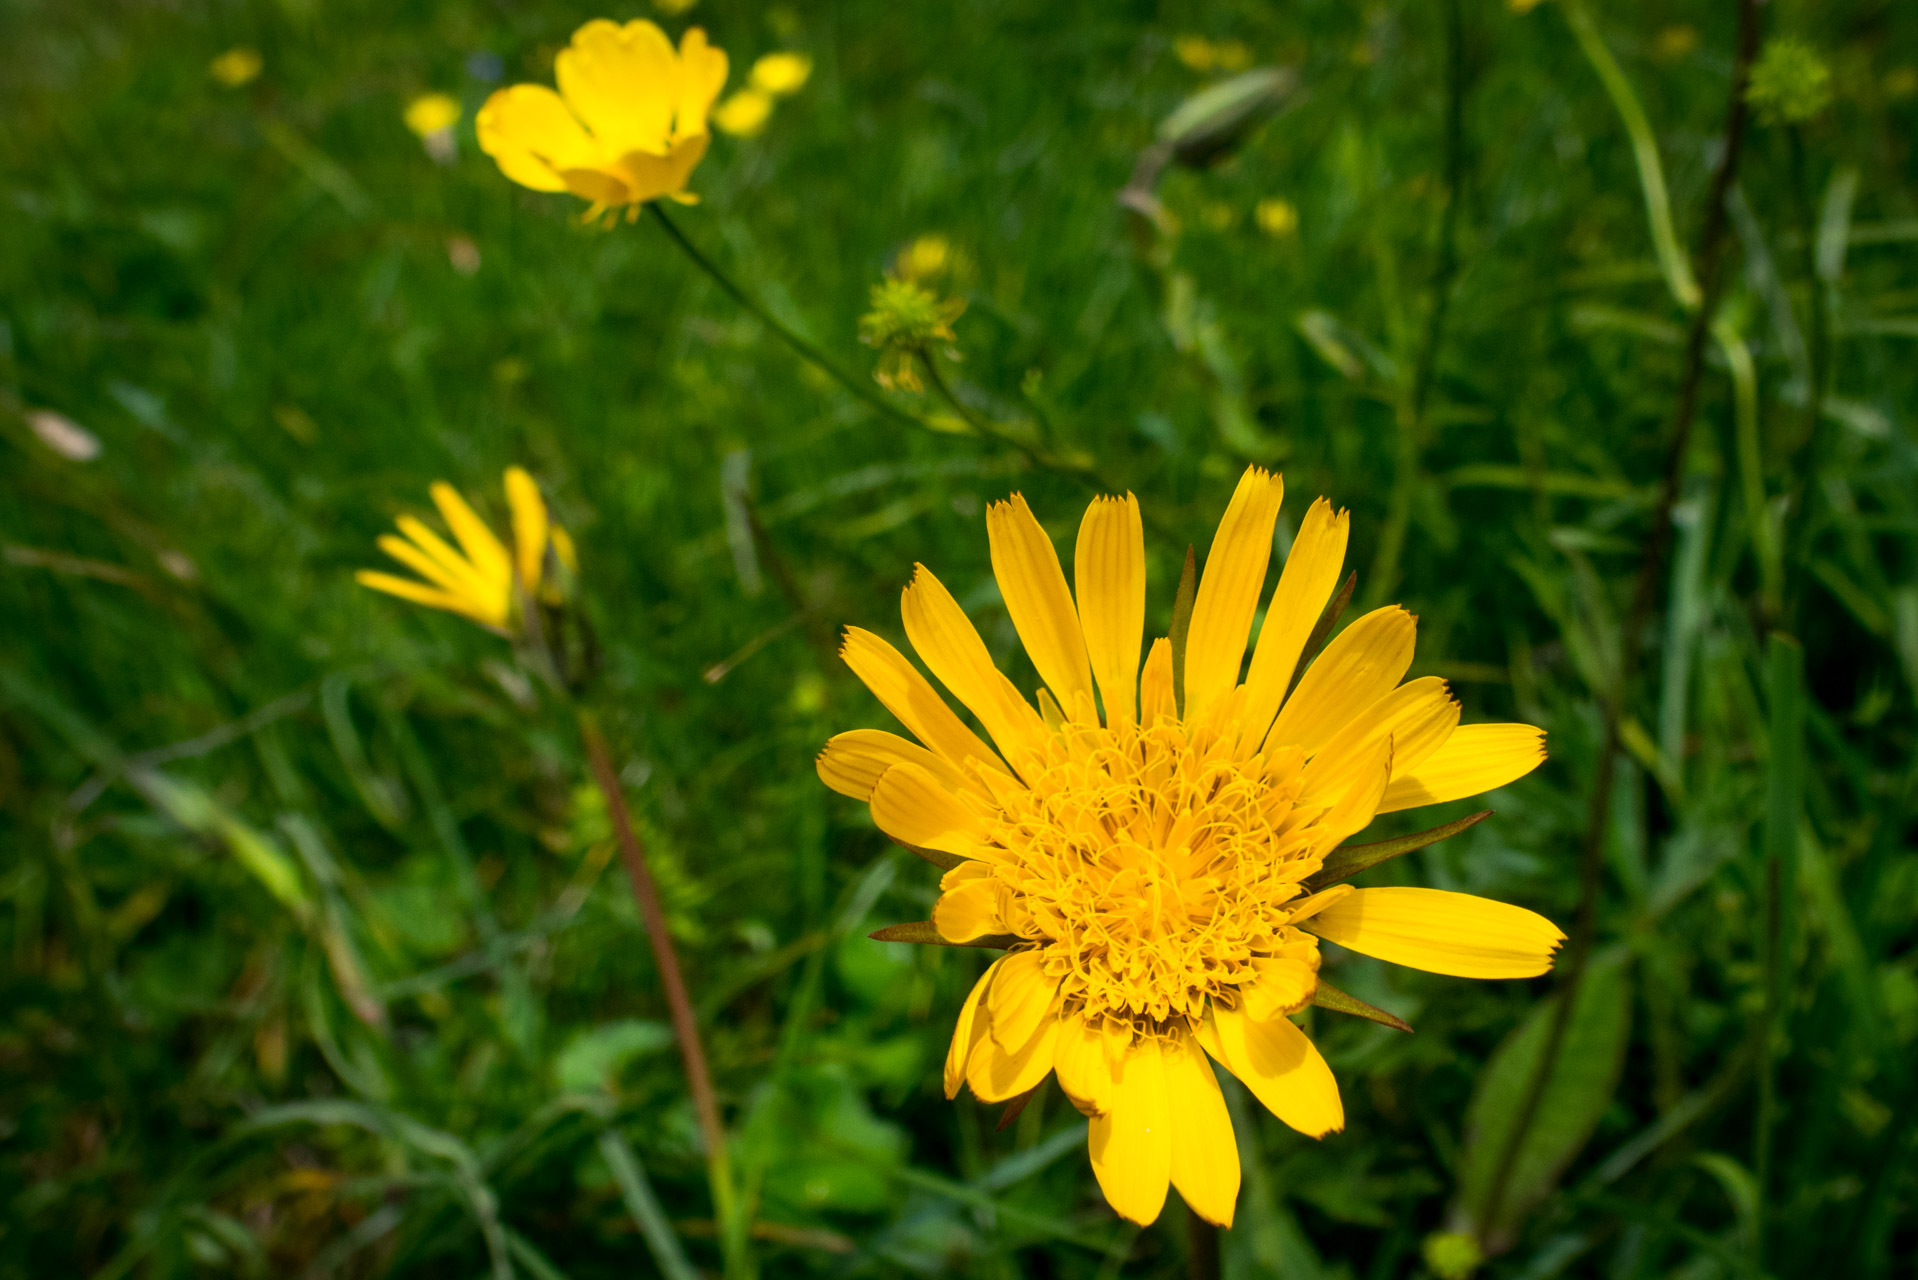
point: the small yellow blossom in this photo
(431, 112)
(478, 580)
(1160, 875)
(673, 8)
(782, 74)
(1452, 1255)
(236, 67)
(744, 114)
(1673, 43)
(1790, 83)
(1202, 55)
(1277, 217)
(904, 322)
(926, 258)
(628, 124)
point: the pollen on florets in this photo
(1157, 869)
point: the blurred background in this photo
(318, 960)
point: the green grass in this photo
(316, 959)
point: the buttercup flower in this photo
(1150, 871)
(431, 117)
(478, 580)
(781, 74)
(627, 125)
(744, 114)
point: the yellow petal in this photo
(1285, 984)
(971, 910)
(970, 1029)
(1155, 685)
(1229, 590)
(702, 74)
(947, 642)
(909, 805)
(529, 525)
(527, 129)
(1311, 573)
(1108, 568)
(459, 582)
(648, 177)
(1475, 759)
(1205, 1158)
(1020, 999)
(482, 547)
(997, 1073)
(1034, 588)
(852, 762)
(1363, 663)
(1131, 1146)
(1079, 1059)
(1354, 810)
(912, 699)
(1280, 1065)
(1453, 933)
(743, 114)
(419, 593)
(624, 82)
(1418, 717)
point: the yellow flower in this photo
(743, 114)
(904, 322)
(782, 74)
(431, 112)
(478, 580)
(1277, 217)
(926, 258)
(627, 125)
(1150, 873)
(236, 67)
(1194, 51)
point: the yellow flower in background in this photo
(1149, 871)
(478, 579)
(743, 114)
(904, 323)
(1203, 55)
(781, 74)
(628, 124)
(1276, 217)
(236, 67)
(926, 258)
(432, 112)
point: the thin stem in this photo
(1652, 558)
(1202, 1245)
(685, 1023)
(1805, 492)
(1410, 417)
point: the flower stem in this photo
(733, 1236)
(1202, 1247)
(1652, 557)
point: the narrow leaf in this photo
(1016, 1107)
(1330, 997)
(1348, 860)
(1182, 623)
(924, 933)
(937, 857)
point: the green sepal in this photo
(937, 857)
(924, 933)
(1323, 628)
(1348, 860)
(1330, 997)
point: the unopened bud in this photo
(1212, 123)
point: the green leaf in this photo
(1584, 1076)
(593, 1058)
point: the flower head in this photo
(781, 74)
(627, 125)
(904, 322)
(431, 112)
(236, 67)
(1790, 83)
(480, 580)
(1151, 870)
(744, 114)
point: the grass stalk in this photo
(1652, 557)
(733, 1235)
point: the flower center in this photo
(1153, 867)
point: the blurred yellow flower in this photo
(1194, 51)
(743, 114)
(924, 259)
(1673, 43)
(1203, 55)
(627, 125)
(431, 112)
(782, 74)
(236, 67)
(1277, 217)
(1521, 6)
(478, 580)
(1160, 876)
(904, 322)
(673, 8)
(1901, 82)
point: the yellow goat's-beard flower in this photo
(477, 580)
(627, 125)
(1146, 870)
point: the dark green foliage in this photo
(318, 961)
